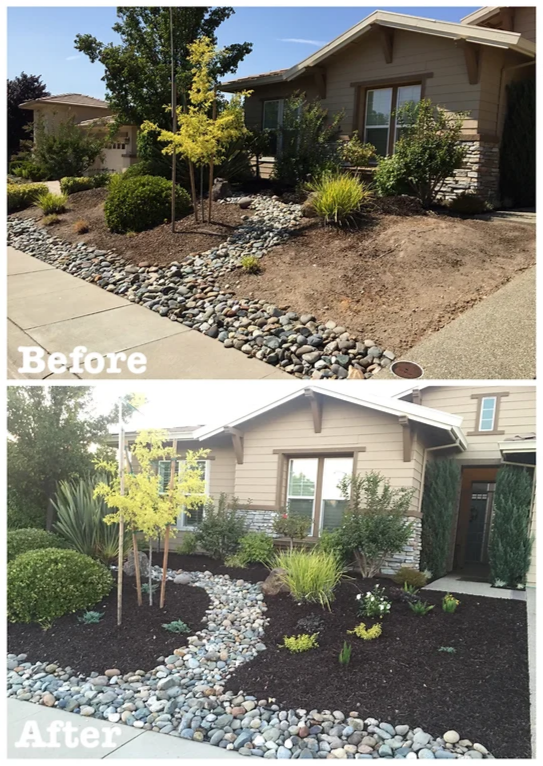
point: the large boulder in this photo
(308, 210)
(273, 584)
(129, 568)
(221, 189)
(183, 578)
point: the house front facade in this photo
(293, 452)
(389, 59)
(92, 114)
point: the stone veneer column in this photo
(479, 174)
(409, 556)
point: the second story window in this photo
(487, 415)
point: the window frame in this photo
(395, 87)
(482, 414)
(304, 497)
(322, 498)
(496, 431)
(181, 461)
(321, 457)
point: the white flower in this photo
(359, 597)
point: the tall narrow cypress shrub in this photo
(510, 544)
(441, 487)
(517, 150)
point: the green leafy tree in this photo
(427, 153)
(66, 150)
(375, 525)
(307, 141)
(441, 486)
(24, 87)
(510, 544)
(137, 70)
(51, 434)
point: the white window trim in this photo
(328, 498)
(481, 413)
(378, 127)
(304, 497)
(182, 516)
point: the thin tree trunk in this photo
(120, 560)
(150, 573)
(214, 117)
(202, 192)
(165, 567)
(137, 570)
(193, 191)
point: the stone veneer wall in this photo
(259, 521)
(480, 173)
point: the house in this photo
(91, 114)
(293, 451)
(388, 59)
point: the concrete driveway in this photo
(57, 312)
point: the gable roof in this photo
(72, 99)
(496, 38)
(481, 14)
(390, 406)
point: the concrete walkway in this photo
(57, 312)
(452, 583)
(494, 340)
(113, 740)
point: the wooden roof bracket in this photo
(386, 35)
(237, 443)
(316, 409)
(472, 56)
(407, 438)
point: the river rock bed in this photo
(188, 293)
(184, 695)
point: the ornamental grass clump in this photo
(301, 643)
(310, 576)
(338, 197)
(449, 603)
(344, 656)
(44, 585)
(51, 203)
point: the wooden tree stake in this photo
(164, 567)
(193, 191)
(137, 567)
(212, 160)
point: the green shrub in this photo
(250, 264)
(235, 561)
(469, 203)
(412, 577)
(25, 167)
(428, 152)
(439, 503)
(71, 185)
(23, 540)
(44, 585)
(366, 634)
(80, 520)
(65, 150)
(375, 526)
(221, 528)
(176, 626)
(310, 576)
(331, 542)
(510, 544)
(374, 603)
(188, 544)
(338, 197)
(291, 525)
(51, 203)
(142, 203)
(148, 168)
(21, 196)
(90, 618)
(518, 145)
(255, 547)
(356, 153)
(421, 607)
(449, 603)
(50, 220)
(301, 643)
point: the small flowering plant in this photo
(373, 603)
(449, 603)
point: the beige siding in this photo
(343, 426)
(253, 104)
(516, 416)
(525, 22)
(222, 463)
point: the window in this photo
(272, 119)
(184, 520)
(312, 490)
(487, 414)
(380, 122)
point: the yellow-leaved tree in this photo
(203, 135)
(148, 505)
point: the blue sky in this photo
(40, 39)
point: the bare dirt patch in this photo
(396, 279)
(158, 246)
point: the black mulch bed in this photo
(198, 563)
(135, 645)
(481, 691)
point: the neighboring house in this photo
(90, 114)
(294, 451)
(389, 59)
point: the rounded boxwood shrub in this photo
(469, 203)
(44, 585)
(148, 168)
(410, 576)
(141, 203)
(23, 540)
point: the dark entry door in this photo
(475, 516)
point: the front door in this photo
(475, 517)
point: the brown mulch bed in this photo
(156, 247)
(398, 277)
(134, 645)
(481, 691)
(201, 563)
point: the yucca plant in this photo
(310, 575)
(80, 520)
(51, 203)
(338, 197)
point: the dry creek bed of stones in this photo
(188, 293)
(184, 695)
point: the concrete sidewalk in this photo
(57, 312)
(494, 340)
(114, 740)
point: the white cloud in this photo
(72, 58)
(302, 41)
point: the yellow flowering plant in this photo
(367, 634)
(449, 603)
